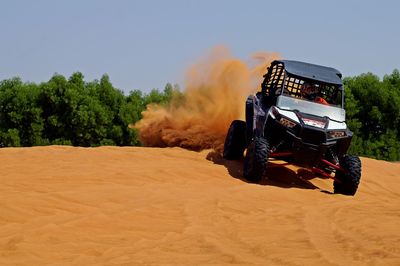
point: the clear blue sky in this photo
(145, 44)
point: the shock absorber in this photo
(334, 157)
(273, 149)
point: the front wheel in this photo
(255, 161)
(347, 182)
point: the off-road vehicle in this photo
(298, 117)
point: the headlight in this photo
(285, 119)
(336, 134)
(286, 122)
(313, 122)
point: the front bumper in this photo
(308, 145)
(307, 154)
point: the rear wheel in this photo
(348, 181)
(235, 141)
(255, 161)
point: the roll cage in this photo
(287, 77)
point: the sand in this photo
(152, 206)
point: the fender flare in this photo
(256, 118)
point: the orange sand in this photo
(153, 206)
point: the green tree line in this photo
(373, 114)
(72, 112)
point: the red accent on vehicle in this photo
(280, 154)
(322, 172)
(337, 167)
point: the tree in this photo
(373, 114)
(20, 118)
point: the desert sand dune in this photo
(153, 206)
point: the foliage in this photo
(72, 112)
(373, 114)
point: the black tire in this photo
(347, 182)
(255, 161)
(249, 119)
(235, 141)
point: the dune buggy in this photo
(298, 117)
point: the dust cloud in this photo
(215, 91)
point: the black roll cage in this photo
(277, 81)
